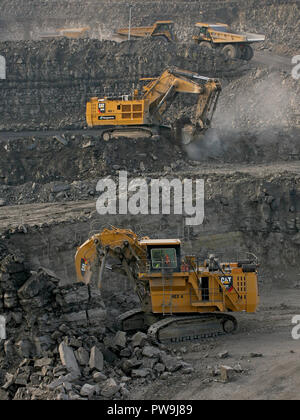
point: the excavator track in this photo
(176, 329)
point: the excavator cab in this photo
(163, 255)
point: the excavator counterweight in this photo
(182, 298)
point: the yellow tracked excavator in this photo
(181, 298)
(143, 112)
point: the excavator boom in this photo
(162, 91)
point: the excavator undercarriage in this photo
(181, 298)
(177, 328)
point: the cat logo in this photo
(227, 281)
(101, 107)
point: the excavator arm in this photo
(161, 92)
(121, 244)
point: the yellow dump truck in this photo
(66, 32)
(162, 29)
(220, 36)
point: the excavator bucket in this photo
(191, 134)
(187, 132)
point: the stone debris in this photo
(62, 356)
(109, 388)
(253, 354)
(96, 359)
(150, 351)
(139, 339)
(120, 340)
(88, 390)
(226, 373)
(68, 359)
(223, 355)
(82, 356)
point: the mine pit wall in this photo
(49, 82)
(21, 20)
(243, 213)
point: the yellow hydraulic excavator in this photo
(144, 112)
(181, 298)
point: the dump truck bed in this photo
(219, 36)
(221, 33)
(139, 32)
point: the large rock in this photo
(99, 377)
(82, 356)
(44, 361)
(226, 373)
(88, 390)
(109, 388)
(171, 363)
(128, 364)
(150, 351)
(119, 340)
(139, 339)
(96, 316)
(68, 359)
(96, 359)
(140, 373)
(2, 327)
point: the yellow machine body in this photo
(103, 112)
(183, 292)
(145, 108)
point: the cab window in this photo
(163, 258)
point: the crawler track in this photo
(190, 328)
(179, 328)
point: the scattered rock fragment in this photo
(139, 339)
(96, 359)
(223, 355)
(253, 354)
(88, 390)
(109, 388)
(68, 359)
(226, 373)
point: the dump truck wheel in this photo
(206, 44)
(231, 51)
(248, 53)
(160, 38)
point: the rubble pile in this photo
(55, 343)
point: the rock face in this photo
(271, 18)
(41, 74)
